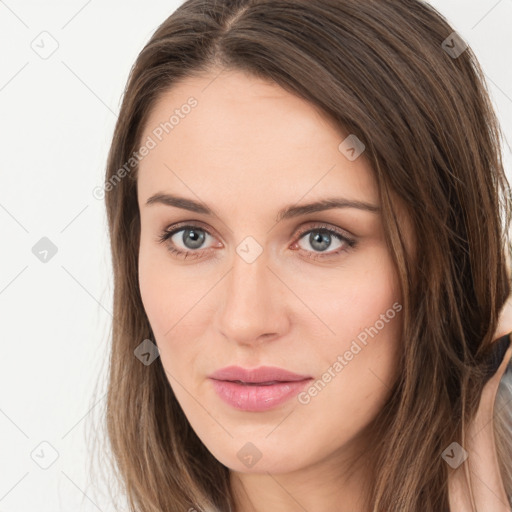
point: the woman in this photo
(304, 202)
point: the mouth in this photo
(257, 396)
(258, 389)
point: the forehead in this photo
(251, 134)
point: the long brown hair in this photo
(394, 74)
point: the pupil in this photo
(317, 238)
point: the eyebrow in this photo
(285, 213)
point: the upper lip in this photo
(257, 375)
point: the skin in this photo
(247, 150)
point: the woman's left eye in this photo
(320, 238)
(192, 238)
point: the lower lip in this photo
(254, 398)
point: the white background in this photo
(56, 120)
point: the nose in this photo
(252, 307)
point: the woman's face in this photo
(312, 291)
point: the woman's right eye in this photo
(191, 238)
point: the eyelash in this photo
(167, 234)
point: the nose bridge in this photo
(249, 306)
(249, 277)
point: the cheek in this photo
(358, 302)
(164, 296)
(172, 302)
(154, 287)
(356, 380)
(364, 311)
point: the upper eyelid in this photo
(319, 225)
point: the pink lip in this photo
(263, 374)
(259, 389)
